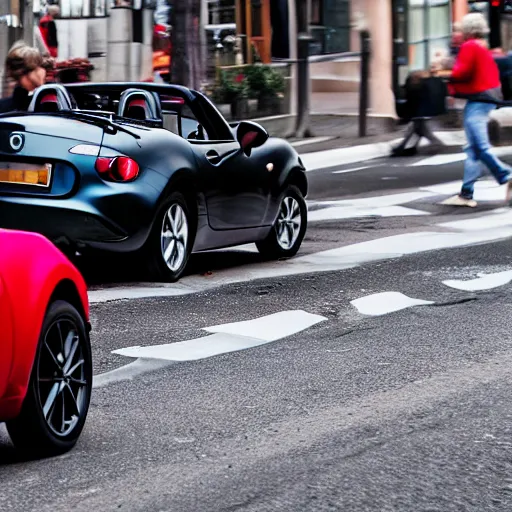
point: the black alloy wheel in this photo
(57, 401)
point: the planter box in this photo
(240, 109)
(271, 106)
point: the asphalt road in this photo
(405, 411)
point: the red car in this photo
(45, 351)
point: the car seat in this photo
(140, 105)
(50, 98)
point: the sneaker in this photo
(459, 201)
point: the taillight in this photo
(119, 168)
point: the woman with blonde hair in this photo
(27, 67)
(475, 77)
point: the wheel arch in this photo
(297, 177)
(183, 181)
(67, 291)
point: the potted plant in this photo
(233, 89)
(267, 85)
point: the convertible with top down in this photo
(147, 169)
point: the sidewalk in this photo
(379, 144)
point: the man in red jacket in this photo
(48, 30)
(475, 76)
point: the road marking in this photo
(485, 190)
(375, 201)
(344, 156)
(353, 170)
(456, 157)
(440, 160)
(483, 282)
(492, 220)
(270, 327)
(313, 140)
(386, 302)
(341, 258)
(364, 152)
(138, 292)
(227, 338)
(381, 206)
(338, 213)
(494, 226)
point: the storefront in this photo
(421, 28)
(330, 26)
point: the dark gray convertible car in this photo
(153, 170)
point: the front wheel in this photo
(57, 401)
(289, 229)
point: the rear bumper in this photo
(70, 222)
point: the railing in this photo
(303, 62)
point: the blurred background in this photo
(243, 52)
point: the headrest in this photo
(50, 98)
(139, 104)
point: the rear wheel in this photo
(170, 243)
(287, 233)
(57, 401)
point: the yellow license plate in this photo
(26, 174)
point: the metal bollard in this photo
(364, 84)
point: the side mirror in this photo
(251, 135)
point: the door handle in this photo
(212, 156)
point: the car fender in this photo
(292, 170)
(6, 337)
(286, 168)
(36, 268)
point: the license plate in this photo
(26, 174)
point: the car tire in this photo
(55, 407)
(289, 229)
(170, 242)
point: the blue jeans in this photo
(476, 117)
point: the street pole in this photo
(28, 22)
(364, 83)
(179, 62)
(304, 38)
(4, 46)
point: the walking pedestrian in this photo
(27, 67)
(48, 29)
(475, 76)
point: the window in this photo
(82, 8)
(429, 28)
(330, 20)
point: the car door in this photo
(6, 338)
(236, 187)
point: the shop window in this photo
(330, 20)
(429, 27)
(82, 8)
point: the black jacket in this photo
(19, 101)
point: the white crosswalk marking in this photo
(226, 338)
(486, 190)
(379, 304)
(483, 282)
(475, 228)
